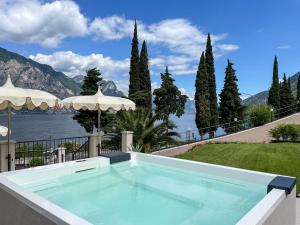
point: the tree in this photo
(259, 114)
(168, 98)
(148, 133)
(231, 109)
(145, 80)
(202, 102)
(298, 93)
(274, 92)
(291, 99)
(134, 79)
(213, 101)
(85, 118)
(286, 97)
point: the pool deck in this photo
(298, 211)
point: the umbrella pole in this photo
(99, 130)
(8, 138)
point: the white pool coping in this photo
(50, 210)
(58, 215)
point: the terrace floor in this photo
(298, 211)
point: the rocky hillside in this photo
(78, 79)
(27, 73)
(261, 97)
(108, 87)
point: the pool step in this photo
(116, 157)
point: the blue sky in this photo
(73, 36)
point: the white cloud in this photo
(73, 64)
(178, 65)
(189, 94)
(154, 85)
(178, 35)
(122, 85)
(284, 47)
(111, 28)
(182, 40)
(182, 43)
(33, 21)
(227, 47)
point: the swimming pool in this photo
(147, 190)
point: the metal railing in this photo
(44, 152)
(111, 143)
(191, 136)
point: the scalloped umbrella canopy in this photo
(3, 131)
(18, 98)
(98, 102)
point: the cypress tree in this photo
(134, 79)
(145, 80)
(274, 91)
(298, 94)
(291, 99)
(202, 102)
(286, 97)
(230, 101)
(88, 119)
(168, 98)
(213, 102)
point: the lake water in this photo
(43, 126)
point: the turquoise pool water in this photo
(138, 193)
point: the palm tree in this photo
(148, 132)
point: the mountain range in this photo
(262, 97)
(27, 73)
(108, 87)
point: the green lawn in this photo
(279, 158)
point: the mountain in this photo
(262, 97)
(190, 107)
(259, 98)
(108, 87)
(78, 79)
(27, 73)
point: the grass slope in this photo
(278, 158)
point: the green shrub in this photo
(259, 114)
(286, 132)
(36, 162)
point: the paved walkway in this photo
(258, 134)
(254, 135)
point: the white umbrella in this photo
(12, 97)
(3, 131)
(98, 102)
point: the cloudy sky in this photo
(73, 36)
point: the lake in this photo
(27, 127)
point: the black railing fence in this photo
(192, 135)
(111, 142)
(50, 151)
(44, 152)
